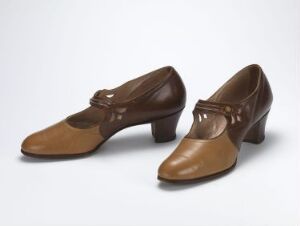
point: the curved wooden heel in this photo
(256, 133)
(164, 130)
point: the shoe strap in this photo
(113, 111)
(222, 108)
(101, 101)
(231, 111)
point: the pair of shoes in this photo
(236, 113)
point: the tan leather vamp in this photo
(62, 139)
(194, 158)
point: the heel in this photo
(164, 130)
(256, 133)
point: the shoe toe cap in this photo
(177, 168)
(33, 144)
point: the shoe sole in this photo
(199, 179)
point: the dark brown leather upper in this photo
(247, 109)
(155, 95)
(166, 98)
(241, 101)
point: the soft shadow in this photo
(119, 144)
(250, 151)
(132, 143)
(29, 159)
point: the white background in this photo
(55, 54)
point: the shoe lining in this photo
(234, 91)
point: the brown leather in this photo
(199, 157)
(157, 97)
(62, 138)
(236, 112)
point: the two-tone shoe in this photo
(237, 112)
(157, 98)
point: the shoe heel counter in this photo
(171, 96)
(266, 95)
(178, 90)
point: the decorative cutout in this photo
(232, 119)
(232, 112)
(110, 95)
(121, 110)
(112, 117)
(200, 117)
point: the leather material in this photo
(164, 100)
(156, 95)
(194, 158)
(62, 138)
(236, 112)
